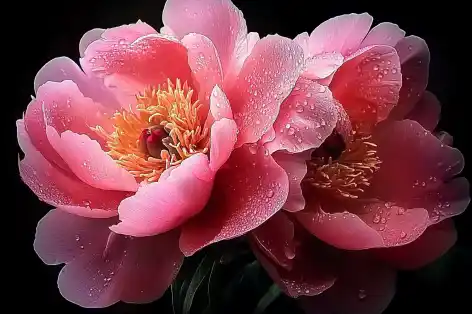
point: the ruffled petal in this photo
(426, 111)
(385, 33)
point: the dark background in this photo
(42, 30)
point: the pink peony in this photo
(382, 186)
(154, 146)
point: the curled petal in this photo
(385, 33)
(432, 244)
(368, 84)
(63, 190)
(223, 138)
(414, 58)
(426, 111)
(266, 79)
(302, 40)
(341, 34)
(219, 105)
(163, 205)
(247, 192)
(322, 65)
(307, 117)
(220, 21)
(88, 38)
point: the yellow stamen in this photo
(169, 107)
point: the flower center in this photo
(162, 129)
(343, 170)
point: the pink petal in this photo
(307, 117)
(219, 105)
(163, 205)
(365, 286)
(342, 230)
(205, 64)
(129, 67)
(432, 244)
(266, 79)
(223, 138)
(322, 65)
(295, 167)
(110, 267)
(302, 40)
(88, 38)
(414, 162)
(247, 192)
(426, 111)
(63, 107)
(341, 34)
(275, 239)
(89, 162)
(64, 69)
(414, 58)
(445, 138)
(128, 33)
(385, 33)
(65, 191)
(313, 269)
(220, 21)
(368, 84)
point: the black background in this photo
(42, 30)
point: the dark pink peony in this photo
(380, 189)
(153, 147)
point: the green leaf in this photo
(201, 272)
(271, 295)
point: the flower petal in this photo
(295, 167)
(432, 244)
(88, 38)
(102, 267)
(163, 205)
(368, 84)
(89, 162)
(275, 238)
(247, 192)
(307, 117)
(385, 33)
(322, 65)
(313, 270)
(205, 64)
(341, 34)
(223, 138)
(220, 21)
(62, 190)
(219, 105)
(266, 79)
(365, 286)
(426, 111)
(129, 67)
(414, 58)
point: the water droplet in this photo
(362, 294)
(81, 247)
(289, 252)
(77, 238)
(447, 204)
(258, 122)
(201, 55)
(376, 219)
(291, 131)
(383, 220)
(400, 211)
(299, 109)
(423, 184)
(376, 68)
(252, 148)
(287, 126)
(86, 203)
(410, 47)
(255, 93)
(394, 71)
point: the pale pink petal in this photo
(302, 40)
(219, 105)
(223, 138)
(247, 192)
(167, 31)
(266, 79)
(295, 166)
(313, 268)
(88, 38)
(205, 64)
(385, 33)
(426, 111)
(342, 230)
(65, 191)
(322, 65)
(414, 162)
(275, 238)
(414, 58)
(64, 69)
(102, 267)
(89, 162)
(220, 21)
(128, 33)
(365, 286)
(128, 68)
(307, 117)
(368, 84)
(341, 34)
(163, 205)
(432, 244)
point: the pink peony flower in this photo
(382, 186)
(154, 146)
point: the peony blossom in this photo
(153, 148)
(377, 195)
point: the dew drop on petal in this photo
(362, 294)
